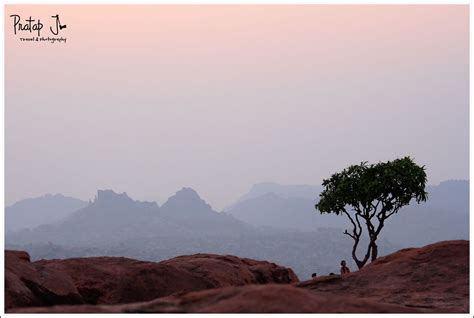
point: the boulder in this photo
(228, 270)
(114, 280)
(30, 284)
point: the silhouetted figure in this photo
(313, 275)
(344, 268)
(331, 274)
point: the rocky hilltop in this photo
(116, 218)
(114, 280)
(434, 278)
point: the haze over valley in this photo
(270, 222)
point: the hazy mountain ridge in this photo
(114, 217)
(283, 228)
(445, 216)
(273, 210)
(32, 212)
(450, 194)
(284, 191)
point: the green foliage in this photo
(369, 194)
(394, 183)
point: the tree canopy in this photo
(369, 194)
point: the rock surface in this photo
(228, 270)
(434, 278)
(114, 280)
(30, 284)
(270, 298)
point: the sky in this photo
(149, 99)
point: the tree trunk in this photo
(374, 251)
(361, 263)
(354, 256)
(358, 263)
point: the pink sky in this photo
(148, 99)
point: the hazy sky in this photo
(148, 99)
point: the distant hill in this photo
(188, 212)
(114, 217)
(450, 195)
(30, 213)
(109, 216)
(445, 216)
(116, 225)
(284, 212)
(281, 228)
(284, 191)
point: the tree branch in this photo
(376, 206)
(353, 237)
(358, 224)
(352, 221)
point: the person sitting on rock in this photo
(313, 275)
(344, 268)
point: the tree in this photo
(370, 194)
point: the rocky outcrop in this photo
(114, 280)
(434, 278)
(30, 284)
(243, 299)
(228, 270)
